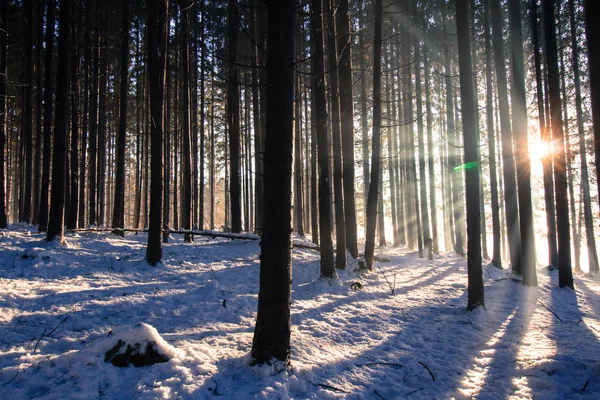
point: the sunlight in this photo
(538, 149)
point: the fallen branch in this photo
(427, 368)
(11, 379)
(393, 288)
(383, 363)
(38, 341)
(556, 315)
(59, 324)
(378, 395)
(583, 388)
(328, 387)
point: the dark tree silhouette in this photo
(316, 24)
(471, 150)
(157, 49)
(3, 108)
(376, 145)
(61, 126)
(272, 331)
(565, 274)
(119, 200)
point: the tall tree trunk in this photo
(569, 158)
(546, 139)
(489, 111)
(338, 197)
(102, 122)
(519, 119)
(93, 116)
(431, 160)
(202, 116)
(233, 119)
(3, 111)
(565, 274)
(158, 16)
(364, 115)
(272, 331)
(318, 82)
(39, 95)
(186, 159)
(61, 127)
(510, 185)
(118, 220)
(258, 126)
(298, 214)
(592, 30)
(390, 140)
(342, 23)
(471, 150)
(74, 156)
(585, 184)
(454, 154)
(26, 111)
(376, 144)
(421, 143)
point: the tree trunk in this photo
(592, 30)
(338, 197)
(431, 160)
(3, 109)
(376, 144)
(118, 220)
(26, 112)
(342, 23)
(585, 184)
(186, 159)
(326, 245)
(471, 164)
(157, 42)
(519, 119)
(489, 111)
(565, 274)
(453, 153)
(233, 119)
(545, 136)
(73, 206)
(298, 215)
(510, 185)
(61, 127)
(421, 143)
(272, 331)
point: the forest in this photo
(165, 163)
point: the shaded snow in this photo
(419, 343)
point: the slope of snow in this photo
(60, 306)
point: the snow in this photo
(61, 308)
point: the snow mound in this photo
(139, 344)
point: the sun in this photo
(538, 150)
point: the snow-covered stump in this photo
(138, 344)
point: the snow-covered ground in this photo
(61, 308)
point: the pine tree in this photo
(272, 331)
(61, 126)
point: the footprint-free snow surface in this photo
(61, 306)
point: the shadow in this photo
(575, 368)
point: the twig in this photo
(11, 379)
(328, 387)
(414, 391)
(556, 315)
(386, 279)
(378, 395)
(38, 341)
(427, 368)
(383, 363)
(582, 389)
(59, 324)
